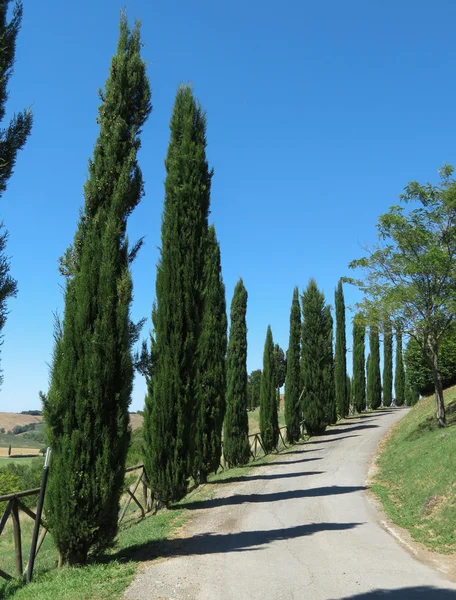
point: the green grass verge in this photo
(109, 577)
(17, 441)
(416, 477)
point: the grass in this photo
(254, 419)
(17, 441)
(109, 577)
(18, 460)
(416, 476)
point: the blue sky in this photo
(319, 113)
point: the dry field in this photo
(19, 452)
(10, 420)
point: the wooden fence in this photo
(139, 492)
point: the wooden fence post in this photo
(17, 535)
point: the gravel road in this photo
(302, 527)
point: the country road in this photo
(301, 527)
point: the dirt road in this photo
(302, 527)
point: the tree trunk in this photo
(439, 403)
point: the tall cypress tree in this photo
(340, 366)
(269, 424)
(12, 138)
(329, 379)
(172, 407)
(359, 379)
(374, 378)
(236, 425)
(313, 359)
(368, 382)
(254, 389)
(387, 364)
(211, 376)
(349, 392)
(399, 375)
(86, 410)
(293, 379)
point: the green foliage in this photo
(349, 390)
(172, 408)
(374, 383)
(340, 360)
(293, 410)
(387, 363)
(359, 378)
(410, 277)
(211, 374)
(236, 425)
(280, 370)
(415, 475)
(9, 483)
(329, 379)
(86, 410)
(254, 388)
(269, 425)
(399, 375)
(13, 136)
(314, 354)
(135, 454)
(417, 366)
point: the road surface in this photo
(301, 527)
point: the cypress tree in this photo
(269, 424)
(340, 366)
(359, 380)
(280, 370)
(172, 402)
(236, 425)
(387, 364)
(254, 389)
(368, 382)
(375, 391)
(293, 378)
(349, 392)
(13, 136)
(313, 359)
(329, 379)
(399, 375)
(86, 410)
(211, 376)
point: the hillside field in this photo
(416, 476)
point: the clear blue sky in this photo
(318, 114)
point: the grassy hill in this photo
(10, 420)
(416, 477)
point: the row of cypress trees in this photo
(371, 393)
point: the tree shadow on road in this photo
(350, 428)
(336, 439)
(238, 499)
(273, 463)
(265, 477)
(214, 543)
(410, 593)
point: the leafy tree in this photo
(418, 369)
(280, 370)
(375, 391)
(13, 136)
(254, 388)
(340, 364)
(293, 379)
(172, 402)
(86, 410)
(269, 424)
(387, 363)
(399, 376)
(313, 359)
(359, 379)
(411, 275)
(330, 382)
(236, 425)
(211, 376)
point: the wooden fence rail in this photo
(140, 493)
